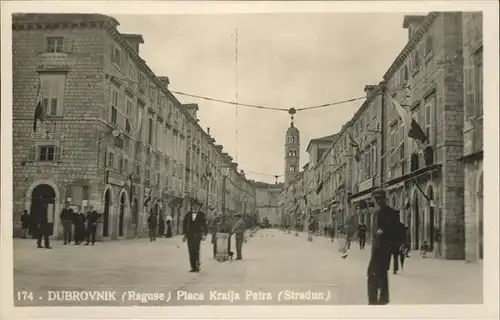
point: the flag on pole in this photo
(414, 130)
(320, 185)
(39, 107)
(357, 153)
(148, 198)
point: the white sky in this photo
(284, 60)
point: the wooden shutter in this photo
(67, 44)
(58, 153)
(41, 44)
(32, 153)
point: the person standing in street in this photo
(239, 235)
(25, 223)
(67, 217)
(79, 228)
(195, 230)
(385, 226)
(398, 255)
(92, 218)
(42, 226)
(169, 229)
(332, 232)
(152, 223)
(362, 235)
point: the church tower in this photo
(292, 153)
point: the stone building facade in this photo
(473, 133)
(436, 185)
(113, 139)
(267, 202)
(427, 179)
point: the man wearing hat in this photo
(239, 235)
(385, 226)
(195, 229)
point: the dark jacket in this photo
(92, 218)
(152, 221)
(196, 227)
(79, 220)
(25, 221)
(67, 214)
(386, 219)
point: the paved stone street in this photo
(276, 268)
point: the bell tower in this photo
(292, 152)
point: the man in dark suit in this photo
(42, 226)
(195, 230)
(385, 235)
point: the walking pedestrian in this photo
(42, 226)
(385, 225)
(25, 223)
(92, 218)
(169, 228)
(194, 231)
(239, 235)
(398, 255)
(325, 230)
(362, 235)
(332, 232)
(152, 223)
(67, 218)
(79, 222)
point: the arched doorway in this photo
(105, 215)
(135, 216)
(431, 223)
(43, 200)
(121, 215)
(480, 215)
(416, 221)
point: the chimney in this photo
(134, 40)
(208, 130)
(234, 165)
(165, 81)
(192, 108)
(412, 23)
(369, 88)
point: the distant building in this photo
(267, 201)
(292, 153)
(472, 23)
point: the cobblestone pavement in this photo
(276, 268)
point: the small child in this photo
(423, 249)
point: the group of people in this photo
(195, 230)
(78, 226)
(153, 225)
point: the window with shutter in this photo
(52, 93)
(111, 160)
(113, 114)
(429, 45)
(32, 153)
(55, 44)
